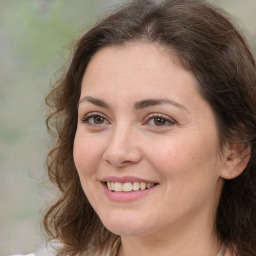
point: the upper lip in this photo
(125, 179)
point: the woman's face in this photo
(142, 123)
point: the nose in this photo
(122, 149)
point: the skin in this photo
(180, 152)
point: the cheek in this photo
(189, 173)
(87, 155)
(185, 159)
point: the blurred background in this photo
(36, 38)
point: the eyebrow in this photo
(95, 101)
(138, 105)
(153, 102)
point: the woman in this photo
(155, 136)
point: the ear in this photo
(237, 157)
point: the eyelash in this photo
(167, 120)
(151, 117)
(89, 116)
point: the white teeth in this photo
(112, 185)
(135, 186)
(128, 186)
(118, 186)
(150, 185)
(143, 185)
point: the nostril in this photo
(116, 161)
(120, 153)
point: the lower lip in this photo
(126, 196)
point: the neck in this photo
(182, 240)
(131, 247)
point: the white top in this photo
(31, 254)
(44, 251)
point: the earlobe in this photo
(237, 157)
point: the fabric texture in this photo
(43, 250)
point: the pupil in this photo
(159, 121)
(98, 120)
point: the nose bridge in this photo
(122, 134)
(122, 148)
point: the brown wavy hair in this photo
(208, 45)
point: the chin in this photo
(122, 230)
(126, 226)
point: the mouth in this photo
(129, 186)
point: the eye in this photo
(159, 120)
(94, 119)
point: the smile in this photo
(128, 186)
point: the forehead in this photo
(135, 62)
(124, 75)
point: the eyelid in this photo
(170, 120)
(86, 117)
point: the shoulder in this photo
(228, 253)
(48, 249)
(31, 254)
